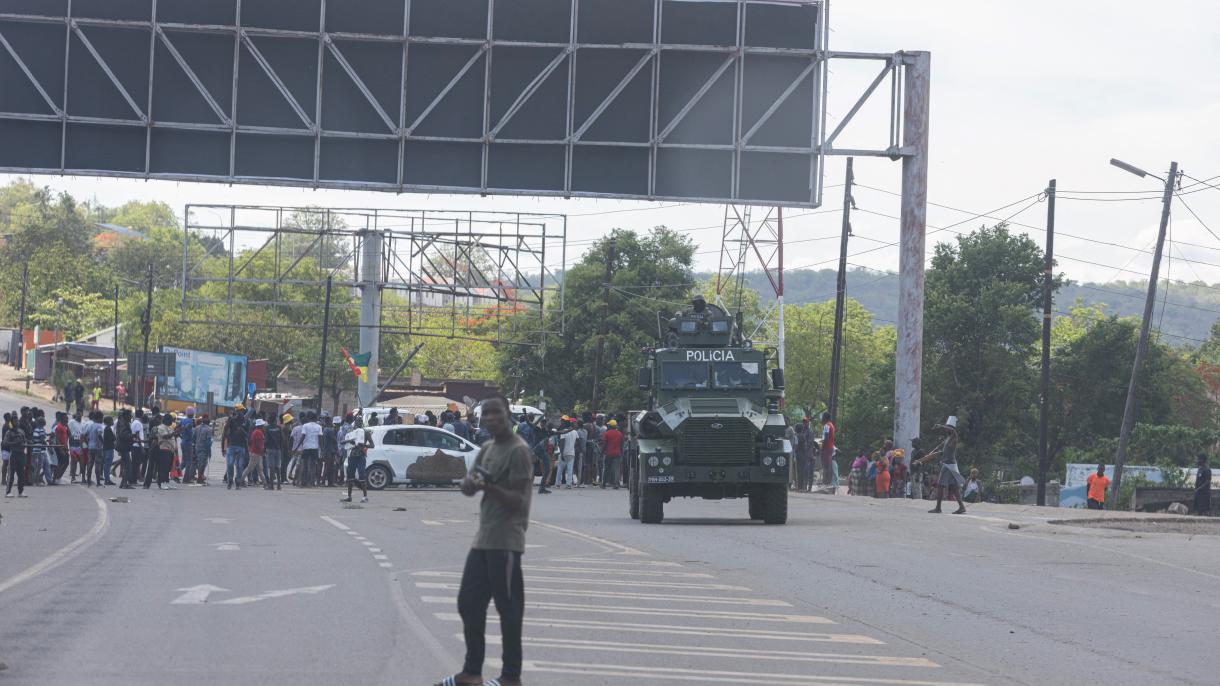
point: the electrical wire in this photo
(1197, 217)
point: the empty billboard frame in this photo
(689, 100)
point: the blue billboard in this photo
(197, 373)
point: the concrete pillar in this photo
(908, 376)
(371, 256)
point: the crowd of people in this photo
(575, 452)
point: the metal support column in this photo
(908, 376)
(370, 311)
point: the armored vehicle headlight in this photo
(667, 460)
(781, 461)
(767, 461)
(653, 461)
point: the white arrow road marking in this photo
(196, 595)
(229, 545)
(307, 590)
(218, 520)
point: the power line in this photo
(1197, 217)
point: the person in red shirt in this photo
(61, 445)
(1098, 483)
(828, 447)
(257, 445)
(614, 454)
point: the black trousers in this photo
(492, 575)
(1095, 505)
(16, 471)
(125, 466)
(158, 466)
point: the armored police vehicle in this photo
(712, 427)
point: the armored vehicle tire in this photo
(652, 504)
(775, 504)
(633, 494)
(756, 508)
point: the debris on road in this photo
(120, 499)
(1011, 525)
(400, 509)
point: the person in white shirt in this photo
(308, 443)
(567, 459)
(139, 451)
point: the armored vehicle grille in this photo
(713, 406)
(707, 440)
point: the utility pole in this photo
(1124, 436)
(325, 335)
(146, 330)
(603, 326)
(114, 360)
(25, 289)
(1048, 277)
(836, 352)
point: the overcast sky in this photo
(1021, 92)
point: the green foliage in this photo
(652, 277)
(980, 334)
(74, 311)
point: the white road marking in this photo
(432, 522)
(385, 565)
(623, 550)
(307, 590)
(374, 550)
(662, 611)
(196, 595)
(227, 546)
(380, 557)
(218, 520)
(671, 629)
(67, 552)
(662, 597)
(717, 676)
(534, 545)
(587, 560)
(361, 538)
(606, 582)
(336, 523)
(703, 651)
(619, 572)
(368, 543)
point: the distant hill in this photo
(1185, 320)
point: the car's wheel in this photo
(775, 504)
(633, 493)
(652, 504)
(379, 477)
(756, 505)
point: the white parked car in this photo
(415, 455)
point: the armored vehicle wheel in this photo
(775, 504)
(756, 507)
(652, 504)
(633, 494)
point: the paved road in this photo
(205, 586)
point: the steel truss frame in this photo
(461, 274)
(397, 128)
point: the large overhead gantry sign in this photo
(709, 100)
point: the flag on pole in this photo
(359, 363)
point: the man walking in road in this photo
(503, 471)
(1097, 485)
(950, 476)
(614, 453)
(357, 473)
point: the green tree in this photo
(652, 279)
(980, 336)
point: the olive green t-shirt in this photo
(506, 463)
